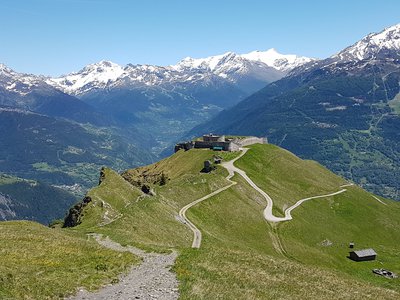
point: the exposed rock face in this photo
(6, 208)
(146, 189)
(143, 179)
(74, 215)
(102, 175)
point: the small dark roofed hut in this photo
(363, 255)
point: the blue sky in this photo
(53, 37)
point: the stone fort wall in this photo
(251, 140)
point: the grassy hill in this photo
(242, 256)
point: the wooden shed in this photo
(363, 255)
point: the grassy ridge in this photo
(37, 262)
(151, 222)
(351, 216)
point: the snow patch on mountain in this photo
(209, 63)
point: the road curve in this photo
(182, 213)
(288, 216)
(268, 215)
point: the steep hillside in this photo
(242, 255)
(55, 138)
(22, 199)
(341, 111)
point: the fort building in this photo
(220, 143)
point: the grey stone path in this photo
(150, 280)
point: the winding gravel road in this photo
(182, 213)
(268, 215)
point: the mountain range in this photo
(260, 66)
(164, 102)
(161, 102)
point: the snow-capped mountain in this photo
(31, 92)
(163, 101)
(258, 66)
(19, 83)
(374, 45)
(97, 75)
(274, 59)
(376, 51)
(270, 58)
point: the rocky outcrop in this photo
(102, 175)
(74, 214)
(7, 209)
(144, 179)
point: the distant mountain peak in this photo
(4, 68)
(96, 75)
(103, 64)
(271, 58)
(210, 62)
(274, 59)
(19, 83)
(373, 45)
